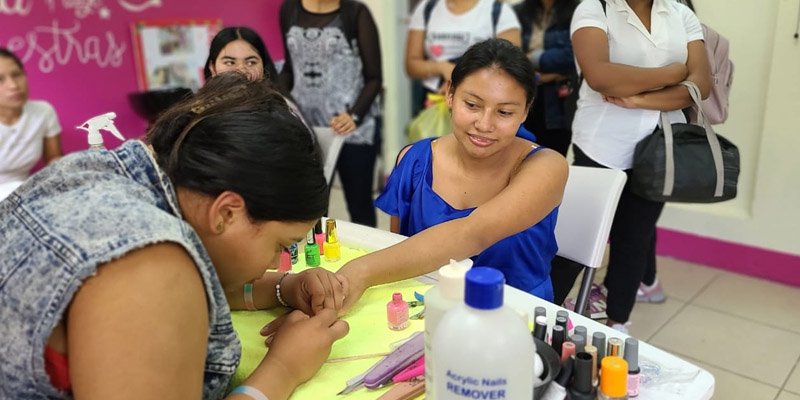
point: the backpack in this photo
(715, 107)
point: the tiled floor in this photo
(745, 331)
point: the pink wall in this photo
(84, 64)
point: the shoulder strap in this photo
(496, 8)
(426, 12)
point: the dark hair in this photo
(501, 54)
(530, 10)
(241, 136)
(4, 52)
(250, 36)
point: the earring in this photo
(220, 227)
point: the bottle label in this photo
(471, 387)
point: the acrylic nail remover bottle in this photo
(482, 349)
(438, 300)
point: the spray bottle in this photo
(95, 124)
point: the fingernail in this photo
(264, 329)
(268, 342)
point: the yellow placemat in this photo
(369, 334)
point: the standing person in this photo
(239, 48)
(441, 31)
(333, 71)
(29, 129)
(116, 264)
(633, 55)
(479, 192)
(546, 39)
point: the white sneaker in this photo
(621, 327)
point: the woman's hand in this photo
(356, 285)
(625, 102)
(315, 289)
(299, 344)
(343, 123)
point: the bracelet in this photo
(250, 391)
(248, 296)
(278, 291)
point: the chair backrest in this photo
(586, 212)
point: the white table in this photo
(696, 383)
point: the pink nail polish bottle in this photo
(319, 237)
(397, 312)
(286, 261)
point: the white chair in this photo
(584, 220)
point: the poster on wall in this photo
(172, 54)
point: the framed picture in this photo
(172, 54)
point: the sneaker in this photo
(597, 302)
(650, 294)
(623, 328)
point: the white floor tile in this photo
(748, 348)
(768, 302)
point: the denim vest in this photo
(85, 210)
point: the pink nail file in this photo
(395, 362)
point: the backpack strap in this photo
(426, 12)
(496, 8)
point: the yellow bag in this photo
(433, 121)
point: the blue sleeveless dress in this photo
(524, 258)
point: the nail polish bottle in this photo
(319, 237)
(581, 388)
(592, 351)
(567, 351)
(397, 312)
(632, 357)
(540, 327)
(599, 341)
(333, 250)
(293, 253)
(580, 342)
(286, 261)
(613, 378)
(311, 250)
(557, 338)
(614, 347)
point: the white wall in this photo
(764, 119)
(390, 16)
(764, 123)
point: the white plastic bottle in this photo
(481, 349)
(448, 293)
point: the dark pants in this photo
(632, 240)
(356, 169)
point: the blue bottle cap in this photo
(484, 288)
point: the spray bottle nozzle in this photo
(101, 122)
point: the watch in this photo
(355, 118)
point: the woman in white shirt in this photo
(633, 54)
(28, 129)
(434, 45)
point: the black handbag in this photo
(684, 162)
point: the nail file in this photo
(395, 362)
